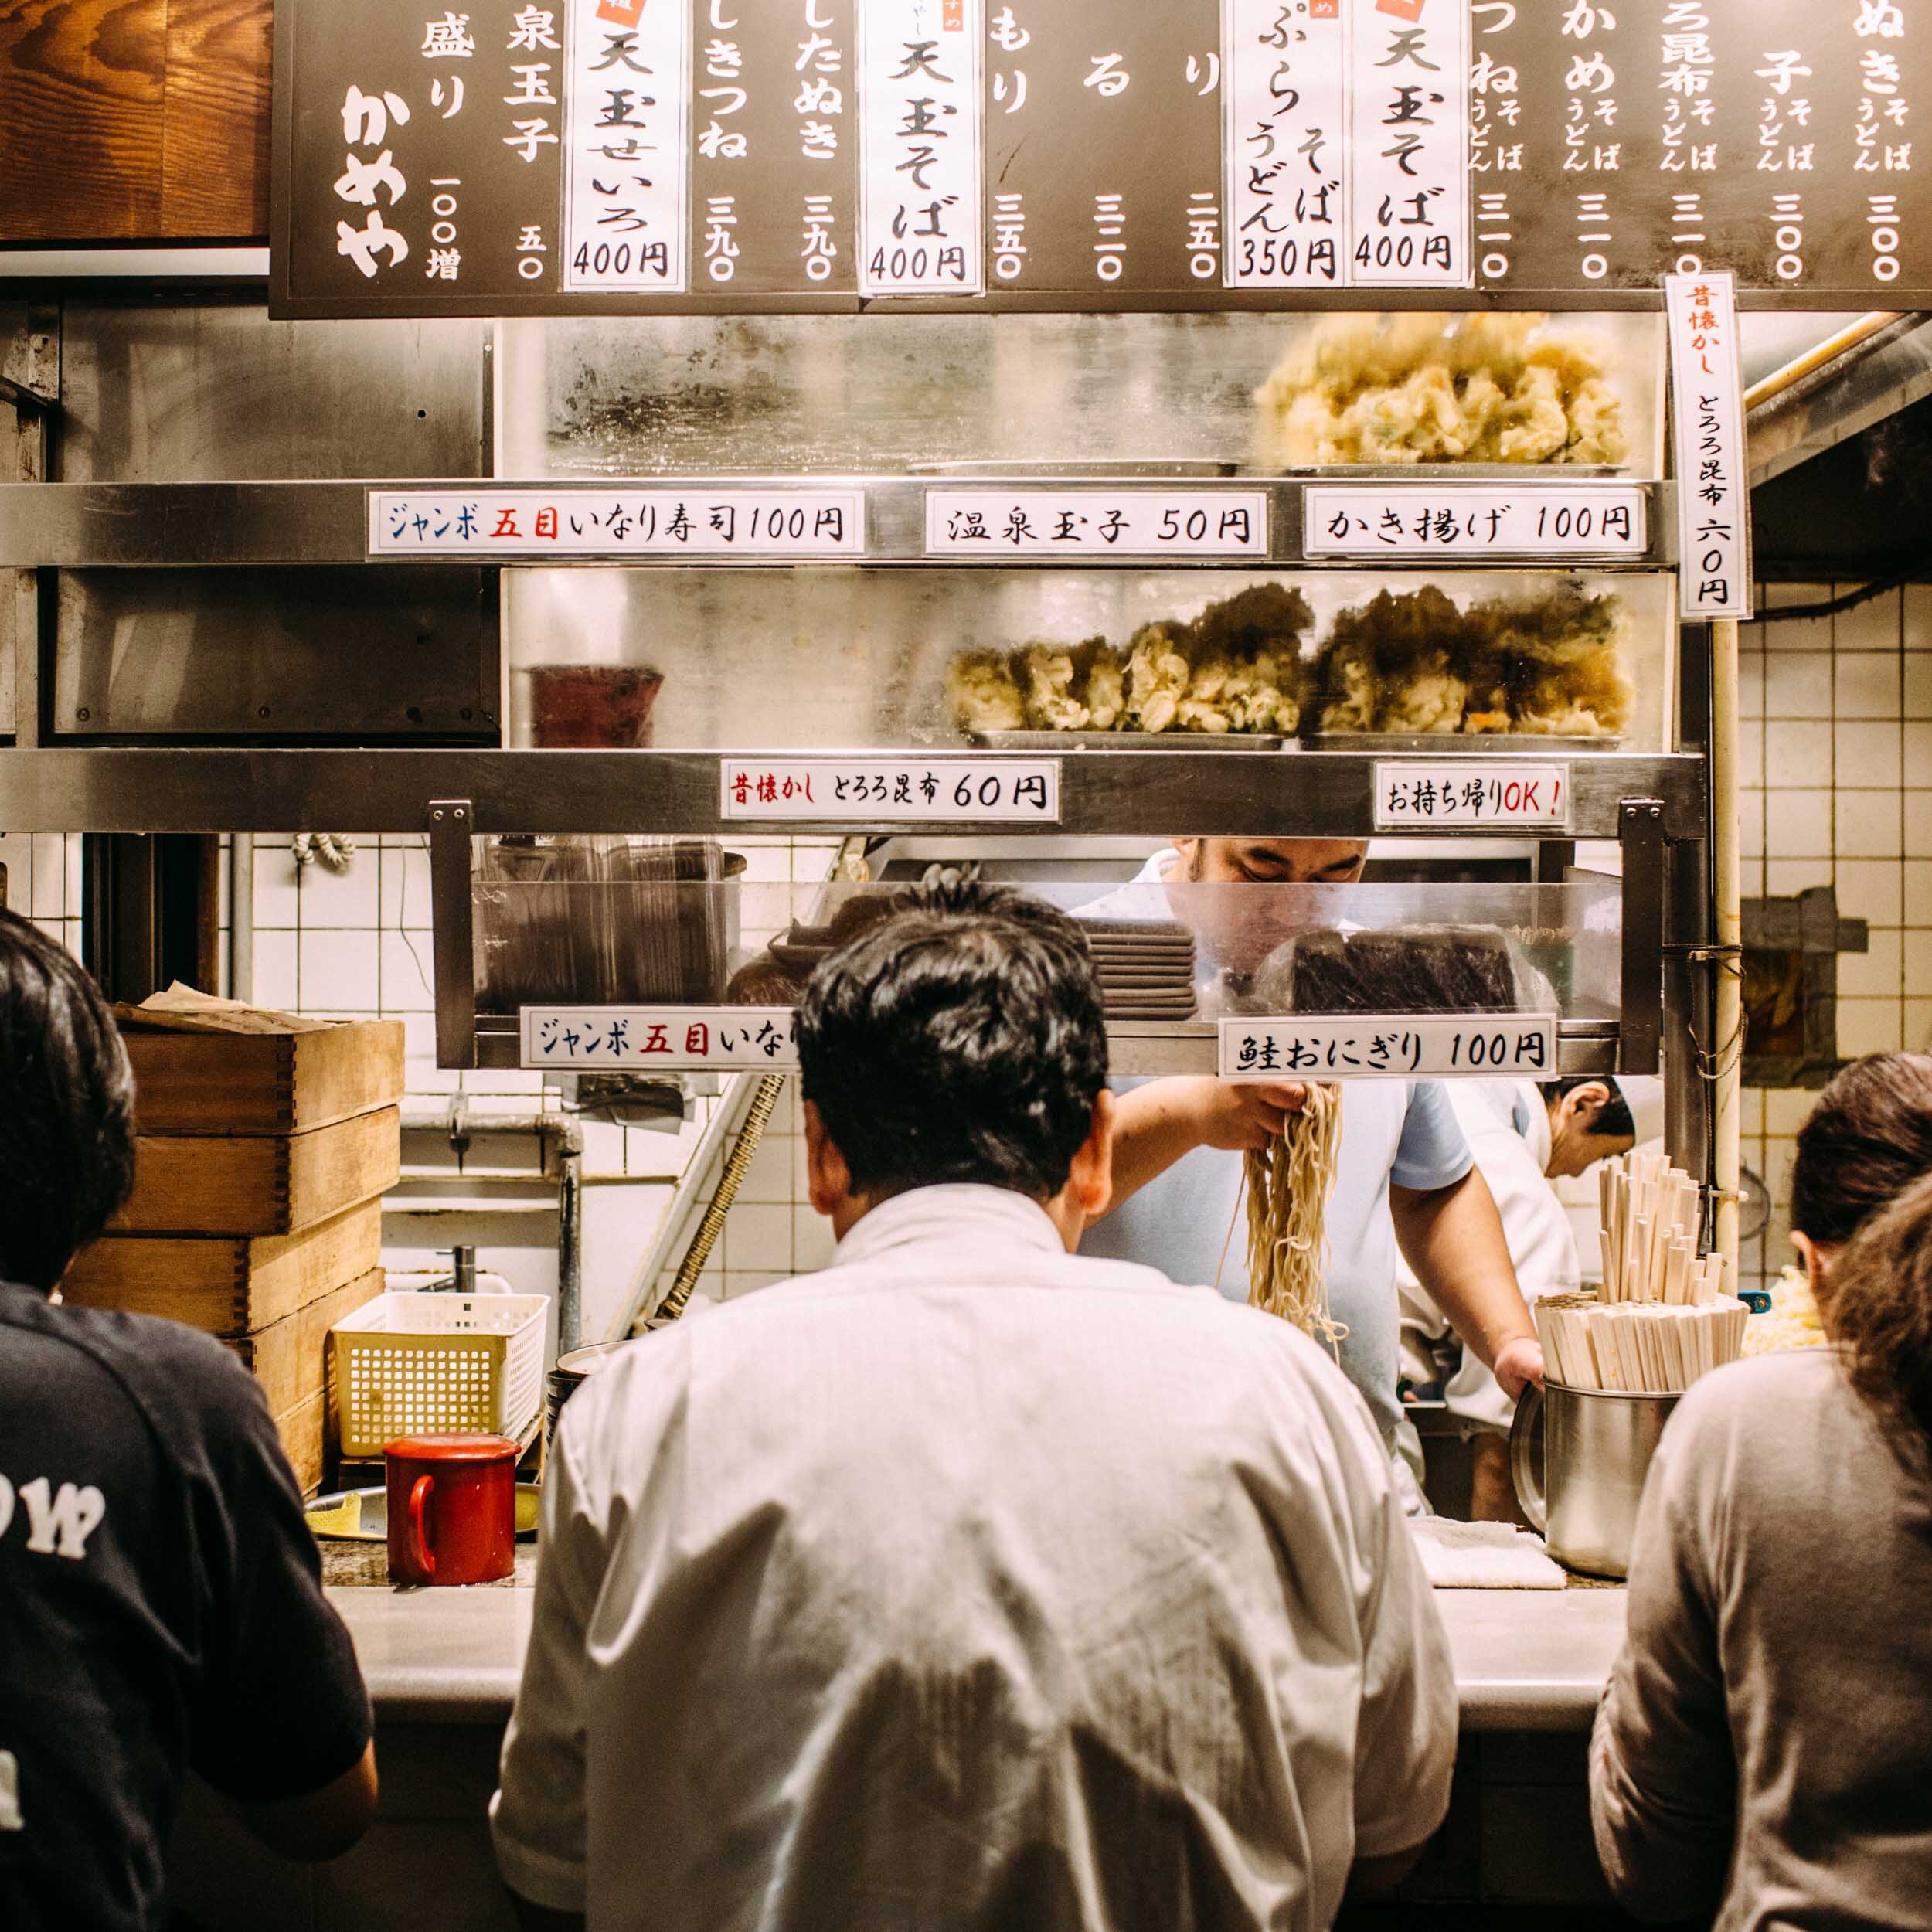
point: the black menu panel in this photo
(768, 155)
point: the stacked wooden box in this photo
(266, 1143)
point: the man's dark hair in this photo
(67, 1108)
(963, 1039)
(1613, 1120)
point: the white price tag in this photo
(922, 125)
(626, 146)
(584, 1038)
(1390, 1047)
(1283, 95)
(1408, 519)
(1713, 496)
(1408, 170)
(893, 791)
(623, 521)
(1096, 523)
(1468, 792)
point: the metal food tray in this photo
(1456, 744)
(1129, 741)
(1452, 472)
(1102, 469)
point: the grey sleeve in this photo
(1663, 1776)
(1433, 1151)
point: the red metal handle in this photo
(419, 1540)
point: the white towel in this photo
(1483, 1555)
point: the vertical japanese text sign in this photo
(922, 128)
(1346, 141)
(624, 214)
(1408, 86)
(1713, 493)
(1285, 144)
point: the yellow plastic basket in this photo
(419, 1364)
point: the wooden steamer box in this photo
(264, 1144)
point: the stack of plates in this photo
(1146, 967)
(572, 1369)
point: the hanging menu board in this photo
(768, 155)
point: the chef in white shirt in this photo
(1523, 1136)
(1404, 1183)
(971, 1584)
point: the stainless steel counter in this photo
(1525, 1659)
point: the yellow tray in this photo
(362, 1515)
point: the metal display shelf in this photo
(1583, 1047)
(157, 525)
(1316, 794)
(1649, 803)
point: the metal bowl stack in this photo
(571, 1372)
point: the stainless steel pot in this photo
(1579, 1458)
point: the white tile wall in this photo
(361, 943)
(772, 1232)
(1846, 800)
(43, 882)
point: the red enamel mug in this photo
(452, 1508)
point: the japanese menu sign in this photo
(1707, 414)
(1417, 793)
(673, 1039)
(1129, 523)
(506, 157)
(893, 791)
(1404, 520)
(1390, 1046)
(616, 520)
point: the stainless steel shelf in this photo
(152, 525)
(1109, 794)
(1583, 1047)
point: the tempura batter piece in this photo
(1157, 671)
(1419, 388)
(1101, 680)
(1051, 704)
(983, 694)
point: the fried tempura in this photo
(1237, 668)
(983, 693)
(1417, 388)
(1411, 662)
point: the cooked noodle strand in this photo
(1288, 1185)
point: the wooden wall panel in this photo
(134, 120)
(214, 179)
(81, 85)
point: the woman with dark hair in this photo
(1765, 1739)
(160, 1593)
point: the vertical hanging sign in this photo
(629, 78)
(1713, 499)
(922, 129)
(1284, 144)
(1408, 98)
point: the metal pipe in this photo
(1726, 1044)
(558, 1131)
(757, 1116)
(241, 916)
(1816, 358)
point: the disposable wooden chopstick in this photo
(1677, 1271)
(1606, 1217)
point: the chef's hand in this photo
(1518, 1364)
(1236, 1117)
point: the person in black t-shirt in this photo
(161, 1604)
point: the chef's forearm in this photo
(1453, 1238)
(1154, 1127)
